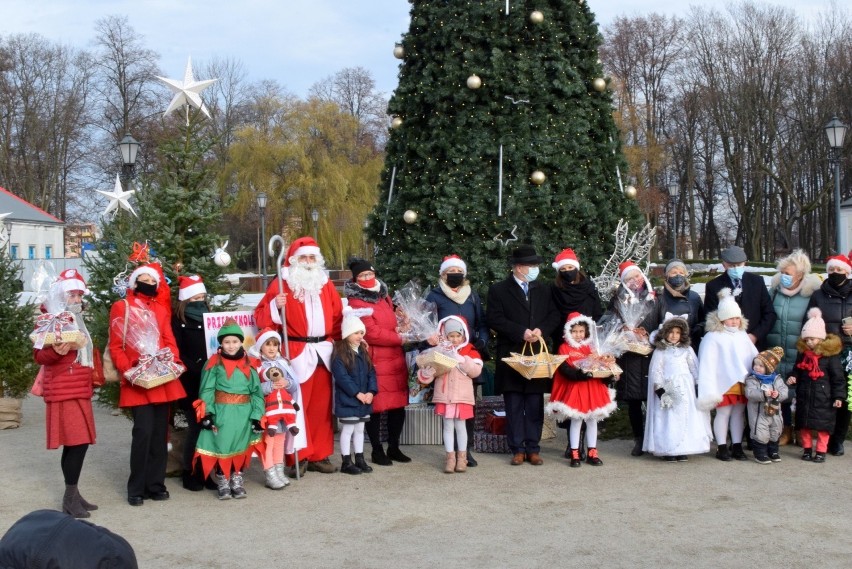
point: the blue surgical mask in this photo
(532, 274)
(786, 281)
(736, 273)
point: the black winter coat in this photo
(509, 314)
(754, 301)
(471, 310)
(835, 304)
(815, 397)
(633, 385)
(689, 306)
(581, 297)
(189, 337)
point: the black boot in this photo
(379, 457)
(722, 453)
(192, 481)
(637, 448)
(361, 463)
(471, 462)
(396, 420)
(737, 452)
(71, 503)
(772, 451)
(396, 455)
(347, 467)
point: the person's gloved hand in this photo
(207, 422)
(296, 406)
(271, 431)
(666, 401)
(294, 430)
(255, 427)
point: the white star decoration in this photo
(188, 91)
(118, 198)
(509, 235)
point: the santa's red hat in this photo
(71, 279)
(625, 268)
(149, 269)
(190, 286)
(841, 261)
(299, 247)
(451, 261)
(566, 257)
(265, 335)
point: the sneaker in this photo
(775, 457)
(279, 469)
(273, 481)
(223, 485)
(762, 459)
(806, 455)
(237, 490)
(819, 457)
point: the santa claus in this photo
(313, 312)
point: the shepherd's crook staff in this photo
(282, 311)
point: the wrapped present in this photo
(57, 328)
(635, 338)
(437, 358)
(154, 369)
(599, 366)
(484, 407)
(495, 424)
(490, 443)
(422, 426)
(416, 318)
(156, 365)
(541, 365)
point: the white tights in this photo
(460, 429)
(591, 432)
(732, 416)
(353, 432)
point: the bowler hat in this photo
(734, 254)
(525, 255)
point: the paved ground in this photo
(628, 513)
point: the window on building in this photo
(14, 251)
(31, 254)
(48, 252)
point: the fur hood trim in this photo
(810, 284)
(831, 346)
(666, 327)
(713, 324)
(590, 328)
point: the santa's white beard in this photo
(306, 278)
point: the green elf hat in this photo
(230, 328)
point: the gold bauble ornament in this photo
(630, 191)
(538, 177)
(474, 82)
(536, 17)
(410, 216)
(396, 122)
(599, 84)
(398, 51)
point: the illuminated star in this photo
(508, 238)
(118, 198)
(188, 91)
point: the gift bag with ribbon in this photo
(156, 365)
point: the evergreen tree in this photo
(17, 368)
(539, 99)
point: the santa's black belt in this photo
(308, 339)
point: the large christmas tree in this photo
(502, 130)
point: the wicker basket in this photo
(438, 360)
(149, 383)
(535, 366)
(613, 370)
(69, 337)
(639, 348)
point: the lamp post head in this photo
(836, 132)
(674, 190)
(261, 200)
(128, 146)
(315, 215)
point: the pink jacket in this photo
(456, 386)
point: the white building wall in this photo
(25, 235)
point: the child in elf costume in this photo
(229, 408)
(820, 384)
(578, 396)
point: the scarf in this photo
(765, 379)
(459, 295)
(810, 363)
(791, 291)
(676, 293)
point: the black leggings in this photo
(72, 462)
(637, 419)
(396, 419)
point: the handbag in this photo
(110, 372)
(38, 385)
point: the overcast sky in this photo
(296, 42)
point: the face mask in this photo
(532, 274)
(836, 279)
(75, 308)
(786, 281)
(455, 280)
(569, 276)
(146, 289)
(677, 282)
(369, 283)
(196, 309)
(736, 273)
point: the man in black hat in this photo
(520, 310)
(749, 291)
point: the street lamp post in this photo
(674, 194)
(261, 205)
(836, 132)
(315, 217)
(129, 147)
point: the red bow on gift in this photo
(163, 361)
(47, 323)
(140, 253)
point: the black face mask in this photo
(569, 276)
(836, 280)
(455, 280)
(146, 289)
(677, 282)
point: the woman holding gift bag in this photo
(67, 377)
(149, 407)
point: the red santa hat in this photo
(841, 261)
(190, 286)
(625, 267)
(71, 279)
(573, 319)
(265, 335)
(149, 269)
(566, 257)
(451, 261)
(299, 247)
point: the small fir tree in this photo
(17, 368)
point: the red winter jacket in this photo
(63, 377)
(126, 358)
(385, 345)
